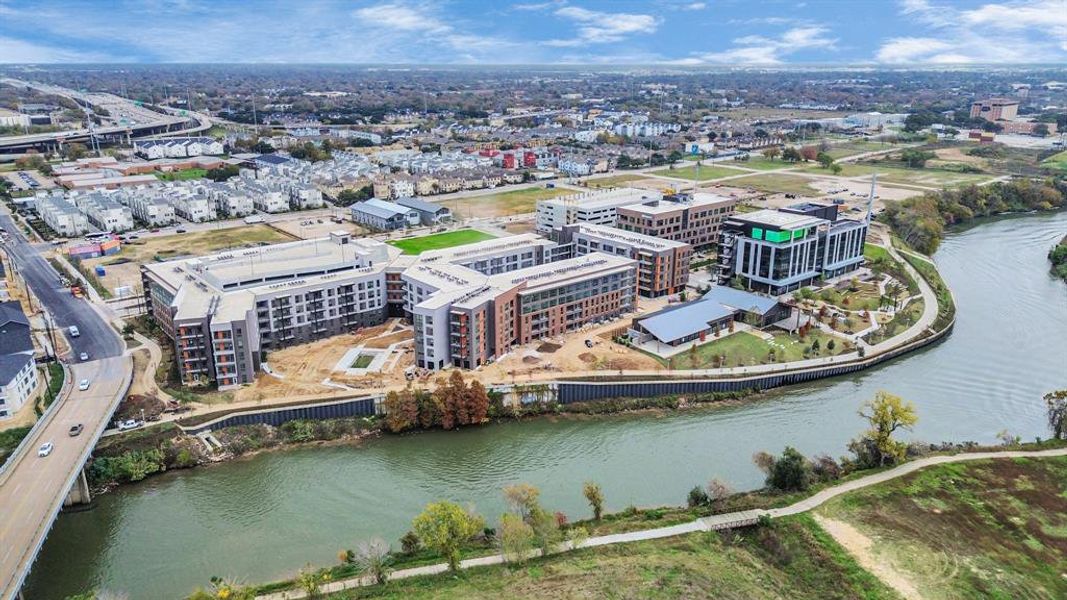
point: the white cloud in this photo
(403, 18)
(695, 6)
(762, 50)
(1023, 31)
(595, 27)
(20, 51)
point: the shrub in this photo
(697, 497)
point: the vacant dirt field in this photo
(306, 228)
(303, 369)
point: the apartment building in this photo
(597, 208)
(469, 304)
(995, 109)
(18, 371)
(105, 213)
(430, 213)
(778, 251)
(60, 215)
(690, 218)
(662, 265)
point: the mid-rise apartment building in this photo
(597, 208)
(662, 265)
(778, 251)
(995, 109)
(60, 215)
(690, 218)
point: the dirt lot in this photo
(303, 227)
(303, 369)
(123, 269)
(824, 186)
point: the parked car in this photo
(45, 449)
(128, 424)
(588, 343)
(83, 384)
(179, 231)
(84, 356)
(76, 430)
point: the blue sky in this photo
(711, 32)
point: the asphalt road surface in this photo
(97, 338)
(33, 488)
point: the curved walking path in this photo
(711, 523)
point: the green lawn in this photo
(515, 202)
(982, 529)
(437, 241)
(182, 175)
(855, 147)
(707, 172)
(741, 349)
(792, 558)
(1056, 161)
(362, 361)
(613, 181)
(924, 177)
(760, 163)
(776, 183)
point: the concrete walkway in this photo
(711, 523)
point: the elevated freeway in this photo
(33, 489)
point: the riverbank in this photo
(1058, 257)
(784, 509)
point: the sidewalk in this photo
(714, 522)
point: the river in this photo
(262, 518)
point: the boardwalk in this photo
(712, 523)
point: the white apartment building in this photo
(61, 216)
(597, 208)
(105, 214)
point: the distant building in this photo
(10, 118)
(778, 251)
(662, 265)
(995, 109)
(690, 218)
(430, 213)
(384, 215)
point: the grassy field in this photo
(516, 202)
(1057, 162)
(924, 177)
(760, 163)
(743, 348)
(438, 241)
(707, 172)
(182, 175)
(776, 183)
(855, 147)
(614, 181)
(792, 558)
(988, 529)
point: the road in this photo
(32, 489)
(97, 338)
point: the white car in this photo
(45, 449)
(83, 384)
(84, 356)
(129, 424)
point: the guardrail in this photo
(353, 406)
(41, 533)
(18, 453)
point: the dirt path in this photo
(860, 547)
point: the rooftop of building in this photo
(673, 203)
(775, 218)
(629, 237)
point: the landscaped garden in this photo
(437, 241)
(745, 348)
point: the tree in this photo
(760, 133)
(547, 529)
(772, 153)
(516, 538)
(824, 159)
(1057, 413)
(788, 473)
(809, 152)
(429, 409)
(75, 150)
(595, 496)
(444, 527)
(522, 499)
(373, 559)
(791, 154)
(311, 579)
(697, 497)
(477, 399)
(836, 169)
(401, 410)
(718, 492)
(351, 196)
(1041, 130)
(916, 159)
(886, 414)
(409, 543)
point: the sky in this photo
(675, 32)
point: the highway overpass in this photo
(34, 489)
